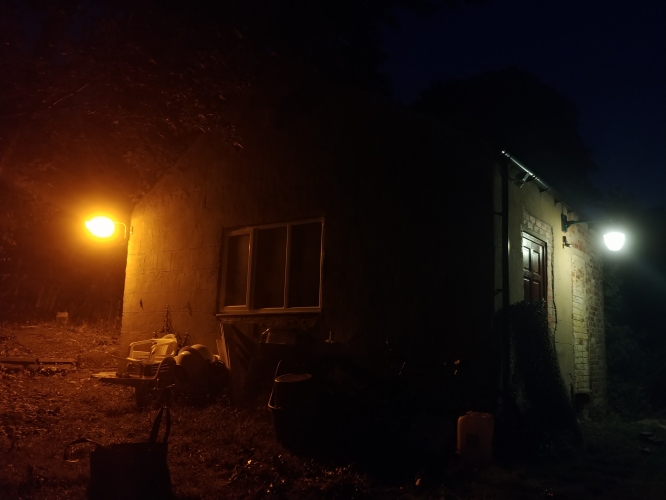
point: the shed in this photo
(333, 212)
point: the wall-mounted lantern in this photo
(613, 238)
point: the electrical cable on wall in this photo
(552, 283)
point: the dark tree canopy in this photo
(107, 94)
(99, 97)
(111, 92)
(511, 110)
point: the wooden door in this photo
(534, 268)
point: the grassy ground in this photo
(216, 451)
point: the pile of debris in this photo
(157, 364)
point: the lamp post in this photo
(103, 227)
(613, 239)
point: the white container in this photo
(475, 438)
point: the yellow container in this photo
(475, 438)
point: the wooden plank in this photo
(18, 360)
(36, 361)
(56, 360)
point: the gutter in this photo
(506, 249)
(529, 176)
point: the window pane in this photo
(238, 252)
(304, 265)
(270, 262)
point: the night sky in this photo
(608, 58)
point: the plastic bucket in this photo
(292, 390)
(475, 438)
(292, 407)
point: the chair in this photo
(157, 351)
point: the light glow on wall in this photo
(614, 240)
(101, 227)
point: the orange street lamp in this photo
(103, 227)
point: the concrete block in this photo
(164, 261)
(188, 280)
(131, 284)
(209, 279)
(169, 281)
(140, 326)
(133, 265)
(212, 236)
(153, 302)
(205, 257)
(132, 242)
(149, 264)
(204, 301)
(181, 260)
(145, 243)
(148, 282)
(196, 240)
(178, 299)
(133, 303)
(130, 303)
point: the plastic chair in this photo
(159, 349)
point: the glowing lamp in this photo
(103, 227)
(614, 240)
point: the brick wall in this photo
(587, 307)
(587, 316)
(580, 326)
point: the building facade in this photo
(366, 223)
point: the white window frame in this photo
(249, 291)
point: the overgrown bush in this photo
(537, 384)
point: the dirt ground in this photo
(217, 451)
